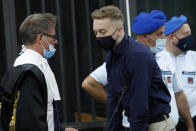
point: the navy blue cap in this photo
(146, 23)
(174, 24)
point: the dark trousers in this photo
(125, 129)
(181, 126)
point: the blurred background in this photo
(77, 52)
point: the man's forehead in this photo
(102, 24)
(183, 29)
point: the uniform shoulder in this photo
(161, 53)
(192, 52)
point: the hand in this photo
(70, 129)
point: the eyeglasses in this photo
(54, 37)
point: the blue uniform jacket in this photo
(131, 65)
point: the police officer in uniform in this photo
(179, 43)
(155, 40)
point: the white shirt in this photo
(185, 64)
(100, 75)
(170, 79)
(32, 57)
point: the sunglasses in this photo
(54, 37)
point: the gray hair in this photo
(35, 24)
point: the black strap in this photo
(116, 108)
(56, 118)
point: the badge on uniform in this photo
(188, 73)
(168, 79)
(190, 80)
(167, 72)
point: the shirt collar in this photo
(180, 55)
(34, 53)
(120, 47)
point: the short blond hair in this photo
(111, 12)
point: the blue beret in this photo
(174, 24)
(146, 23)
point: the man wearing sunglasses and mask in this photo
(34, 92)
(134, 78)
(178, 49)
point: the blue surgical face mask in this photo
(159, 46)
(50, 53)
(107, 43)
(185, 43)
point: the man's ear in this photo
(120, 28)
(145, 35)
(39, 37)
(172, 39)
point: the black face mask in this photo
(185, 43)
(107, 42)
